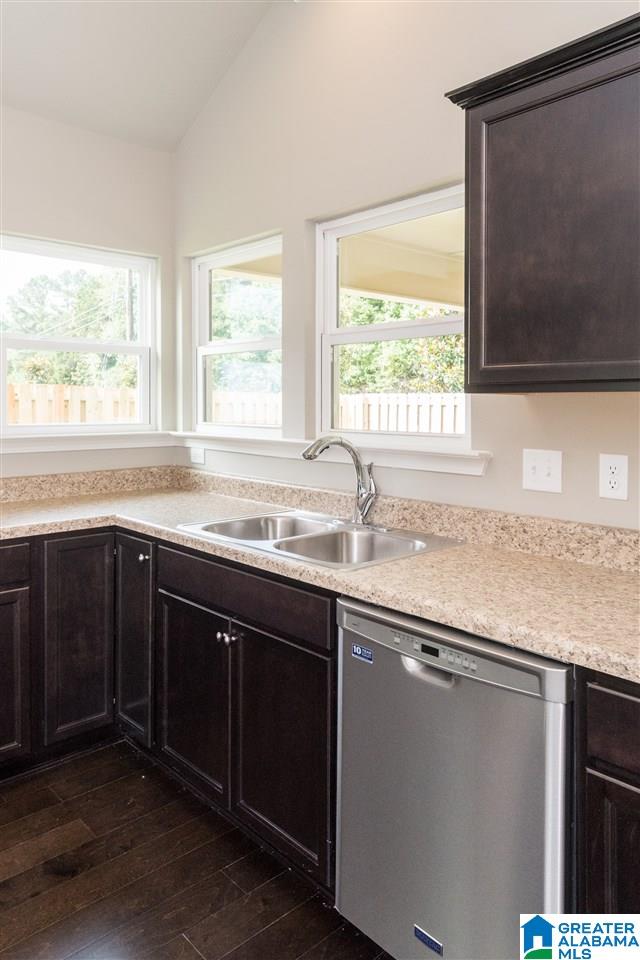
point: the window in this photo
(75, 338)
(238, 318)
(391, 322)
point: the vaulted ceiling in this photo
(136, 70)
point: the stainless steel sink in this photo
(318, 539)
(273, 526)
(353, 547)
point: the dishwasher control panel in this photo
(445, 655)
(430, 649)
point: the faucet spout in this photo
(366, 491)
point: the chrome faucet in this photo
(365, 486)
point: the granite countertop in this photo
(574, 612)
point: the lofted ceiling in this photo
(136, 69)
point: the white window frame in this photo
(330, 334)
(227, 257)
(144, 348)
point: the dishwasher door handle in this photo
(422, 671)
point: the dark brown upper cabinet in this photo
(553, 219)
(78, 635)
(135, 600)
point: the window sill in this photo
(447, 458)
(235, 432)
(441, 459)
(61, 442)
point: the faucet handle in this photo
(369, 471)
(366, 494)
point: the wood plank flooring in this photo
(104, 857)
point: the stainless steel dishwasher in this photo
(451, 786)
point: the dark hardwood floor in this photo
(104, 857)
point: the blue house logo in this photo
(537, 937)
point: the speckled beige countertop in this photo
(575, 612)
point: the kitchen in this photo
(319, 601)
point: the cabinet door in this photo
(612, 845)
(14, 673)
(553, 287)
(78, 635)
(194, 692)
(135, 563)
(282, 737)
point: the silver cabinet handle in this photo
(143, 556)
(219, 635)
(227, 640)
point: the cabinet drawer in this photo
(300, 614)
(613, 727)
(14, 563)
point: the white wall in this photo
(63, 183)
(77, 461)
(332, 107)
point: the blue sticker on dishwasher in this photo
(362, 653)
(428, 940)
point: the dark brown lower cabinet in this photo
(282, 698)
(612, 837)
(226, 676)
(78, 635)
(608, 794)
(246, 700)
(229, 677)
(14, 673)
(194, 692)
(135, 561)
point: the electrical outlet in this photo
(614, 476)
(542, 470)
(196, 454)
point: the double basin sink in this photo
(319, 539)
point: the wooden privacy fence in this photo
(236, 406)
(403, 412)
(33, 403)
(62, 403)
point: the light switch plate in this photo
(196, 454)
(542, 470)
(614, 476)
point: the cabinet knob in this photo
(219, 635)
(227, 639)
(143, 556)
